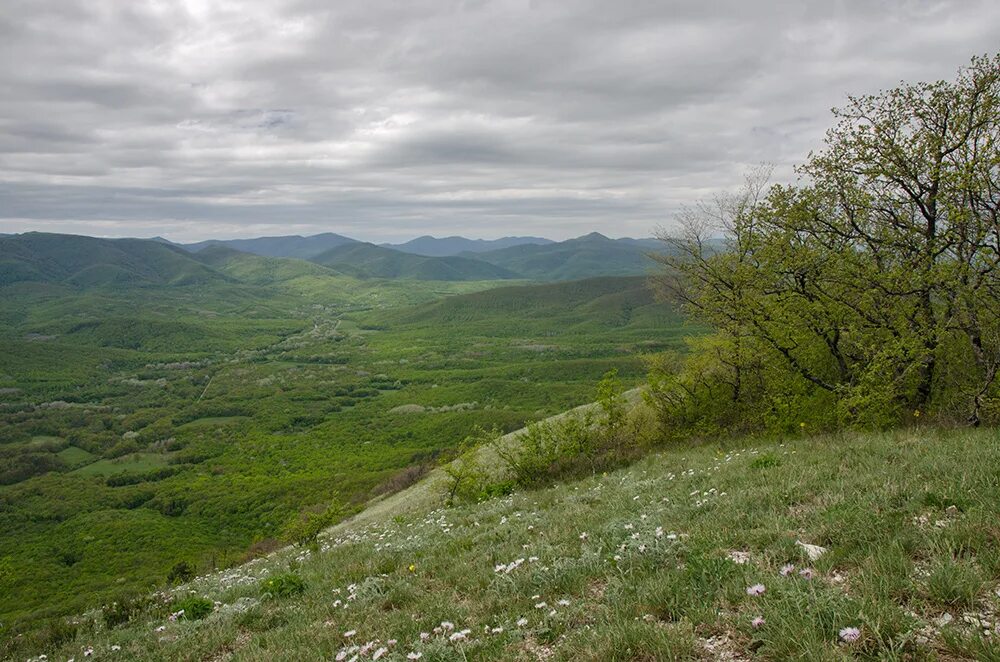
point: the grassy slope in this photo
(909, 519)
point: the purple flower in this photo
(850, 635)
(758, 622)
(756, 589)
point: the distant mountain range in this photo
(286, 246)
(446, 246)
(89, 261)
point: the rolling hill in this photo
(584, 257)
(257, 269)
(445, 246)
(88, 261)
(607, 300)
(370, 261)
(281, 246)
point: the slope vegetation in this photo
(799, 548)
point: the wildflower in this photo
(350, 633)
(757, 622)
(380, 652)
(756, 589)
(806, 573)
(521, 622)
(916, 413)
(161, 628)
(850, 634)
(424, 636)
(457, 636)
(447, 626)
(584, 535)
(412, 568)
(564, 602)
(116, 647)
(787, 569)
(88, 651)
(496, 630)
(541, 605)
(391, 642)
(414, 655)
(738, 557)
(659, 532)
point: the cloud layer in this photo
(385, 120)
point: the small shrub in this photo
(304, 529)
(765, 461)
(467, 478)
(282, 585)
(123, 610)
(181, 572)
(195, 608)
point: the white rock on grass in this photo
(812, 551)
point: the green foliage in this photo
(180, 573)
(467, 478)
(304, 528)
(194, 607)
(125, 608)
(282, 585)
(867, 297)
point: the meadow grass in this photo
(697, 552)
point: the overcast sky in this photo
(386, 120)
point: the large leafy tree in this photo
(873, 285)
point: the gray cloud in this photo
(386, 119)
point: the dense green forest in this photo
(166, 409)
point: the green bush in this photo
(282, 585)
(195, 608)
(181, 572)
(304, 528)
(124, 609)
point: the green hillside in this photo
(590, 306)
(793, 548)
(371, 261)
(259, 270)
(90, 262)
(285, 246)
(583, 257)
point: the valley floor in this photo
(693, 553)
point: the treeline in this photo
(868, 293)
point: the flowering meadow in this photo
(860, 546)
